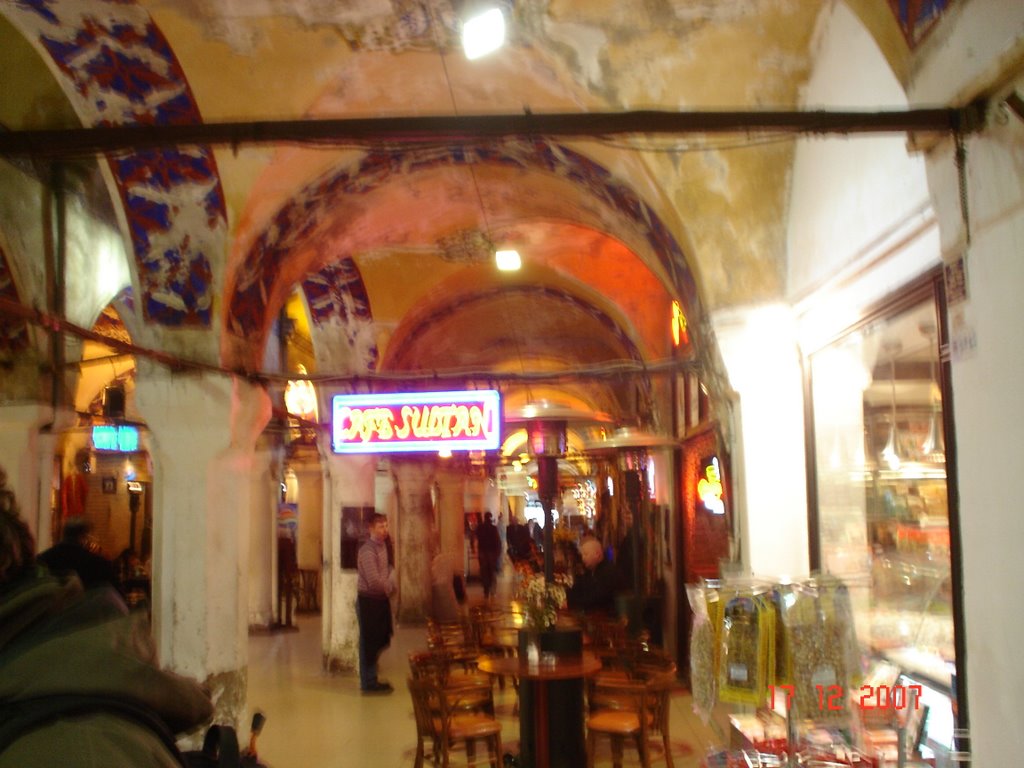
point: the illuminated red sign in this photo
(417, 421)
(710, 489)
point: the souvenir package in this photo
(781, 595)
(747, 664)
(742, 759)
(703, 649)
(821, 661)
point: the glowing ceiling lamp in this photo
(300, 397)
(483, 30)
(888, 454)
(508, 261)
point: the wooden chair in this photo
(436, 667)
(444, 720)
(616, 705)
(659, 702)
(618, 711)
(455, 639)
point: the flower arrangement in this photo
(564, 535)
(541, 601)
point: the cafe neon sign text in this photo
(417, 421)
(710, 489)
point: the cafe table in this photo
(550, 706)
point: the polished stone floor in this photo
(317, 719)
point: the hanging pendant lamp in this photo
(933, 448)
(889, 455)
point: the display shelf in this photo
(821, 693)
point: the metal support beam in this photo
(468, 129)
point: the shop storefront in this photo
(883, 511)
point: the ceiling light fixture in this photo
(483, 31)
(508, 260)
(888, 454)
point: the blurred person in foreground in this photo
(74, 554)
(79, 682)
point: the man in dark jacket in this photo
(79, 683)
(488, 548)
(593, 590)
(518, 540)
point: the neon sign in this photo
(709, 489)
(680, 335)
(122, 438)
(417, 421)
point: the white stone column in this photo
(760, 352)
(451, 514)
(418, 537)
(311, 501)
(264, 493)
(26, 454)
(203, 432)
(351, 484)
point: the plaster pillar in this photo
(310, 478)
(417, 535)
(203, 432)
(26, 454)
(264, 485)
(451, 514)
(758, 346)
(351, 484)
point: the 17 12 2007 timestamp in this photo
(830, 697)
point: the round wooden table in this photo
(535, 720)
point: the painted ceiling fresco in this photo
(917, 17)
(119, 69)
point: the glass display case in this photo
(881, 508)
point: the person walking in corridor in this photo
(375, 585)
(488, 548)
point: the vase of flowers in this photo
(541, 600)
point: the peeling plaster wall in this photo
(96, 266)
(417, 539)
(203, 433)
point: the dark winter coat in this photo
(82, 655)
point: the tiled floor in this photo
(315, 719)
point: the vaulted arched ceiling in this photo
(611, 231)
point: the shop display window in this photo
(881, 513)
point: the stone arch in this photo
(420, 337)
(255, 281)
(118, 69)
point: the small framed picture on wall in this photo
(110, 484)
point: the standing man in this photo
(488, 547)
(373, 608)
